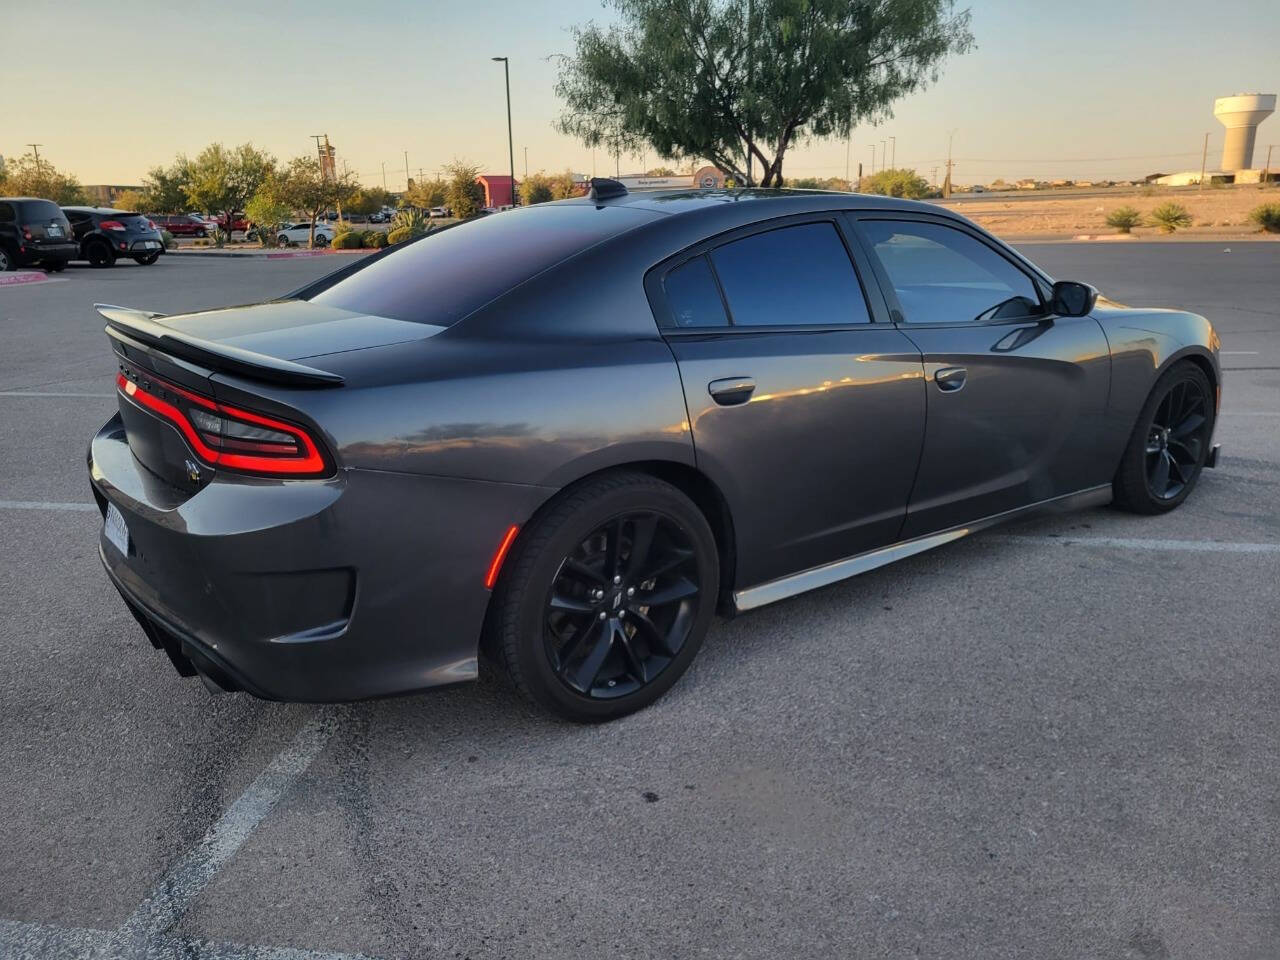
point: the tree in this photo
(303, 186)
(267, 211)
(535, 188)
(661, 172)
(369, 200)
(221, 180)
(134, 201)
(897, 183)
(29, 177)
(427, 194)
(691, 78)
(563, 186)
(165, 188)
(464, 195)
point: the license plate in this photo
(53, 230)
(115, 529)
(151, 244)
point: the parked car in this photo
(301, 233)
(254, 232)
(238, 222)
(34, 231)
(436, 212)
(379, 216)
(581, 429)
(182, 224)
(104, 235)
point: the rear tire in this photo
(321, 240)
(606, 597)
(99, 254)
(55, 266)
(1169, 444)
(148, 260)
(282, 241)
(7, 260)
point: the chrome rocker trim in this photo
(811, 579)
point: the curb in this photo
(265, 255)
(24, 278)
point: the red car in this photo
(181, 224)
(238, 223)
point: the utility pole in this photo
(884, 152)
(317, 137)
(35, 148)
(893, 143)
(406, 170)
(946, 185)
(934, 178)
(511, 144)
(526, 163)
(384, 176)
(1266, 171)
(859, 178)
(873, 159)
(1204, 159)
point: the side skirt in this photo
(829, 573)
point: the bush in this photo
(167, 238)
(1266, 216)
(375, 238)
(399, 235)
(413, 220)
(1124, 219)
(348, 240)
(1170, 216)
(897, 183)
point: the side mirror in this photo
(1072, 299)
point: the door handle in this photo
(731, 391)
(949, 379)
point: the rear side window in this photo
(445, 276)
(943, 275)
(693, 296)
(6, 213)
(791, 276)
(39, 211)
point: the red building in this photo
(498, 189)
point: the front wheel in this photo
(321, 240)
(100, 254)
(282, 241)
(607, 597)
(1169, 444)
(147, 260)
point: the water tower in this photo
(1241, 115)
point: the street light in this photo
(511, 144)
(893, 147)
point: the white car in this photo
(438, 212)
(301, 233)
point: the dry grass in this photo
(1213, 211)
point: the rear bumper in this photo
(363, 585)
(49, 251)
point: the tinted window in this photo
(6, 213)
(943, 275)
(793, 275)
(39, 211)
(448, 275)
(693, 295)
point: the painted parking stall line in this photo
(47, 505)
(1139, 543)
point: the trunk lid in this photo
(43, 220)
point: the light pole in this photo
(893, 145)
(511, 143)
(884, 153)
(526, 163)
(873, 159)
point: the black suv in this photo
(106, 234)
(34, 231)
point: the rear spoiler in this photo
(140, 325)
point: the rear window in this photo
(448, 275)
(40, 210)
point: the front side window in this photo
(943, 275)
(799, 275)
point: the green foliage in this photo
(134, 201)
(412, 220)
(168, 239)
(819, 183)
(897, 183)
(348, 240)
(222, 181)
(463, 195)
(535, 188)
(165, 188)
(1170, 216)
(661, 172)
(266, 212)
(27, 177)
(303, 186)
(1124, 219)
(375, 239)
(1266, 216)
(399, 235)
(563, 186)
(368, 200)
(695, 78)
(427, 194)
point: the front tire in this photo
(321, 240)
(607, 597)
(148, 260)
(100, 254)
(1169, 444)
(8, 261)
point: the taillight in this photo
(226, 436)
(111, 225)
(26, 233)
(152, 225)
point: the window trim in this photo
(1040, 283)
(655, 281)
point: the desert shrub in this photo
(1170, 216)
(1124, 219)
(1266, 216)
(398, 235)
(168, 240)
(897, 183)
(348, 240)
(413, 220)
(375, 238)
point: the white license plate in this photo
(151, 244)
(53, 230)
(115, 529)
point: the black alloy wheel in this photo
(148, 259)
(621, 605)
(7, 260)
(606, 597)
(99, 254)
(1170, 443)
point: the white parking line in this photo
(1238, 353)
(1135, 543)
(37, 393)
(44, 505)
(169, 899)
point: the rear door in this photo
(45, 222)
(1016, 395)
(806, 405)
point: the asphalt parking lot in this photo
(1060, 739)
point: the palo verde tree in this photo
(221, 180)
(702, 78)
(303, 186)
(165, 188)
(29, 177)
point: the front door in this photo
(1015, 395)
(806, 405)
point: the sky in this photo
(1083, 89)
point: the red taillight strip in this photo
(310, 462)
(495, 565)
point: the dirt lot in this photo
(1220, 211)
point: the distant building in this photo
(105, 194)
(499, 189)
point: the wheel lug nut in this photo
(603, 615)
(631, 591)
(616, 581)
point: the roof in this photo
(684, 201)
(495, 178)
